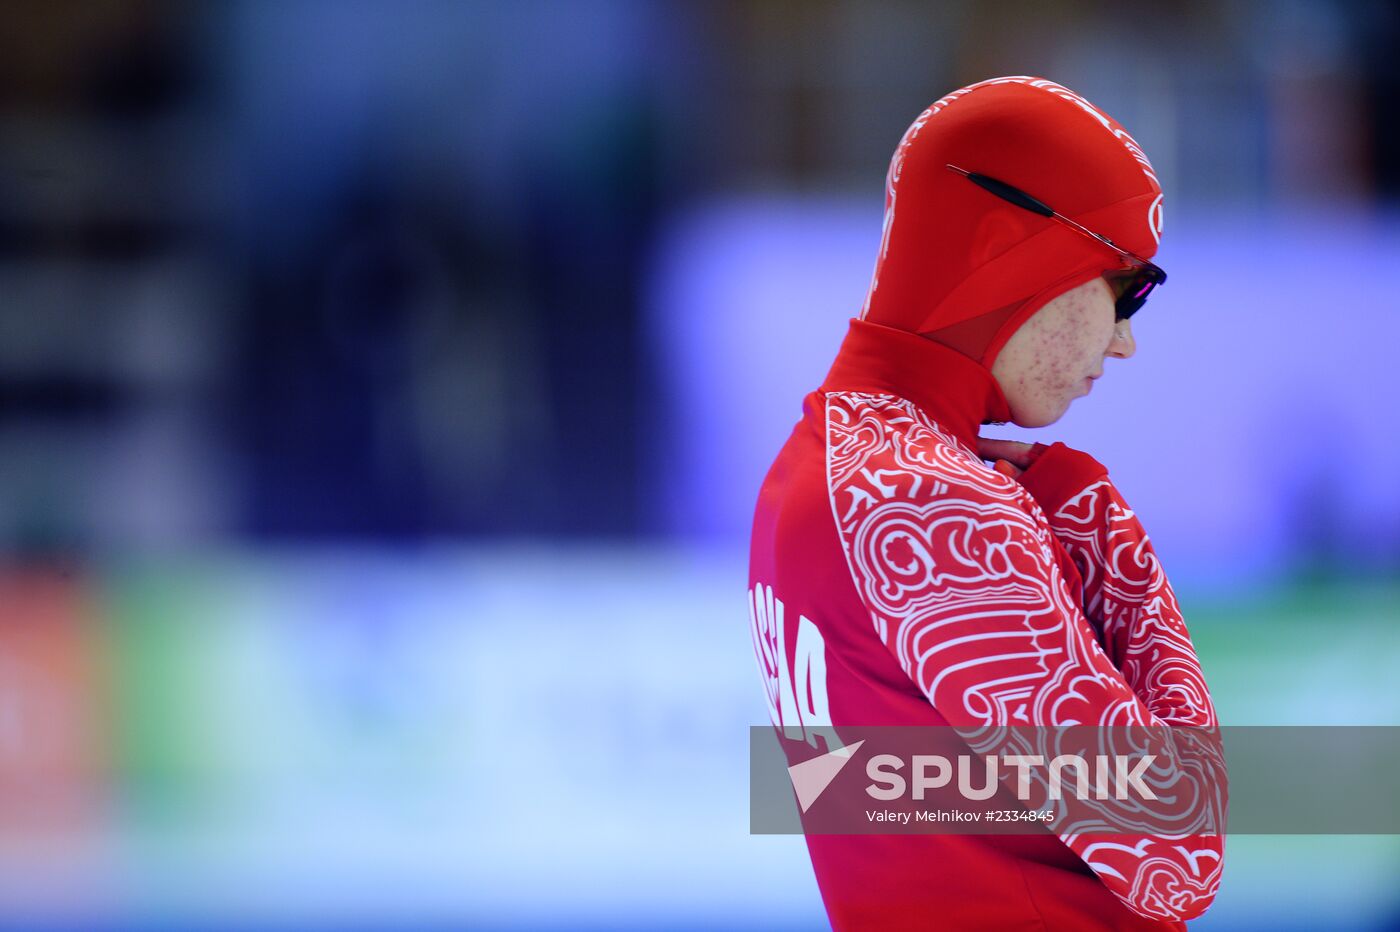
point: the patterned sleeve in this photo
(956, 564)
(1127, 596)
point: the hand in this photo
(1011, 457)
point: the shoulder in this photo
(895, 475)
(921, 518)
(887, 445)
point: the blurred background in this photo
(385, 388)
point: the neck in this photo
(957, 392)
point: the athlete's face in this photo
(1054, 356)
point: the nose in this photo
(1123, 345)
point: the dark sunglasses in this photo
(1132, 284)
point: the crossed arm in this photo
(957, 567)
(1127, 596)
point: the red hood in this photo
(955, 256)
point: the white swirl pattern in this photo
(957, 566)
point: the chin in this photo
(1039, 417)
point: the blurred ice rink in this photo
(518, 737)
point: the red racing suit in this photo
(921, 587)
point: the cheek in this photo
(1062, 354)
(1092, 335)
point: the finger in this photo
(1007, 469)
(990, 449)
(991, 443)
(1012, 450)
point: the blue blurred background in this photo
(385, 387)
